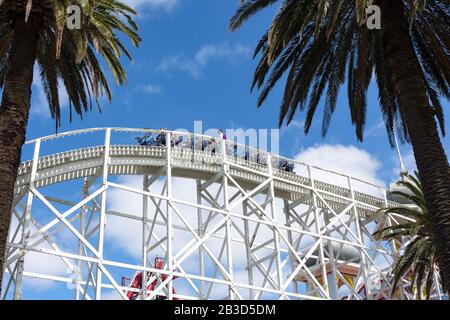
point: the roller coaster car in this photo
(158, 141)
(149, 140)
(176, 141)
(284, 165)
(141, 141)
(136, 281)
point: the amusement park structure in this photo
(211, 217)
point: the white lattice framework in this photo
(257, 232)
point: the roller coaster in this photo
(211, 217)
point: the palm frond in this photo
(310, 39)
(72, 56)
(418, 259)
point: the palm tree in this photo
(37, 32)
(321, 44)
(419, 255)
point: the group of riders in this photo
(154, 139)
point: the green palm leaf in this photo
(343, 42)
(67, 56)
(418, 260)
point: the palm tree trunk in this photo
(431, 160)
(14, 112)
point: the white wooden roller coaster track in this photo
(318, 247)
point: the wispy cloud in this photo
(149, 89)
(295, 125)
(195, 64)
(376, 130)
(153, 4)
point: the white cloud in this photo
(348, 160)
(195, 65)
(153, 4)
(149, 88)
(343, 161)
(376, 130)
(297, 124)
(210, 51)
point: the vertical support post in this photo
(276, 235)
(359, 234)
(169, 214)
(248, 251)
(333, 290)
(82, 229)
(26, 222)
(291, 240)
(228, 222)
(200, 231)
(318, 224)
(144, 238)
(102, 219)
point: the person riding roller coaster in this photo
(284, 165)
(149, 139)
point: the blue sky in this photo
(191, 67)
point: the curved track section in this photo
(187, 163)
(229, 225)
